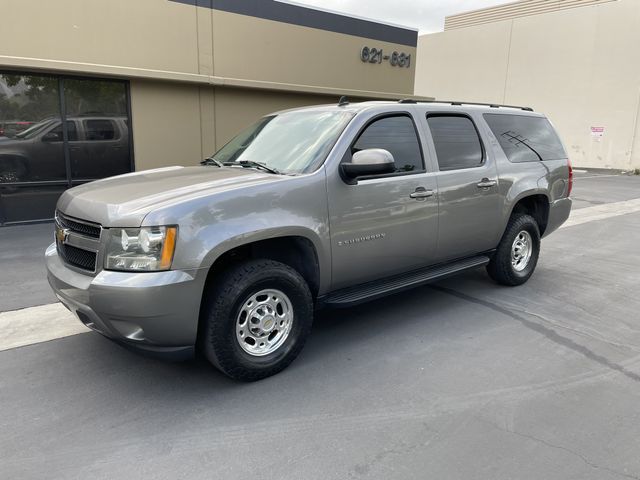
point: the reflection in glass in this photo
(99, 107)
(290, 142)
(29, 109)
(33, 144)
(456, 141)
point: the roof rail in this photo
(454, 102)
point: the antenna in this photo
(343, 101)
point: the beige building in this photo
(150, 83)
(575, 60)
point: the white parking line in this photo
(33, 325)
(600, 212)
(37, 324)
(596, 176)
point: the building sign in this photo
(597, 132)
(377, 55)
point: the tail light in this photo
(570, 182)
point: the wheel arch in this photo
(8, 158)
(295, 250)
(534, 203)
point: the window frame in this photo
(380, 116)
(473, 123)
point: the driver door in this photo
(387, 224)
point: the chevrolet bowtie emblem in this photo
(62, 234)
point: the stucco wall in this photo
(178, 41)
(180, 124)
(578, 66)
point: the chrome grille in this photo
(77, 242)
(87, 229)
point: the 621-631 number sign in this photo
(376, 55)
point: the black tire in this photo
(12, 170)
(218, 339)
(500, 268)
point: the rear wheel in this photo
(517, 254)
(256, 319)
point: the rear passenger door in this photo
(468, 194)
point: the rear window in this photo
(524, 138)
(100, 130)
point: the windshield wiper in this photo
(211, 161)
(252, 164)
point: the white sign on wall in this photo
(597, 132)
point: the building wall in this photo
(176, 40)
(180, 124)
(575, 65)
(201, 70)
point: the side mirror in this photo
(372, 161)
(51, 137)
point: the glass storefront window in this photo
(37, 162)
(29, 110)
(100, 108)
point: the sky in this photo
(426, 15)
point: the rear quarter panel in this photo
(520, 180)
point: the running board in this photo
(350, 296)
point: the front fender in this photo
(212, 225)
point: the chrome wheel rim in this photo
(521, 250)
(264, 322)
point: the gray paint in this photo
(218, 209)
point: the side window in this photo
(397, 135)
(71, 131)
(456, 141)
(525, 138)
(96, 130)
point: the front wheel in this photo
(517, 254)
(256, 319)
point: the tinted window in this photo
(71, 131)
(99, 130)
(524, 138)
(456, 141)
(398, 136)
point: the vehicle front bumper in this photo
(155, 312)
(559, 212)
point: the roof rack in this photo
(454, 102)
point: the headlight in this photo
(143, 249)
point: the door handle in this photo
(421, 192)
(486, 183)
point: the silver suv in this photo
(321, 206)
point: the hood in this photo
(125, 200)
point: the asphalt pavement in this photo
(463, 379)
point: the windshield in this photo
(291, 142)
(35, 129)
